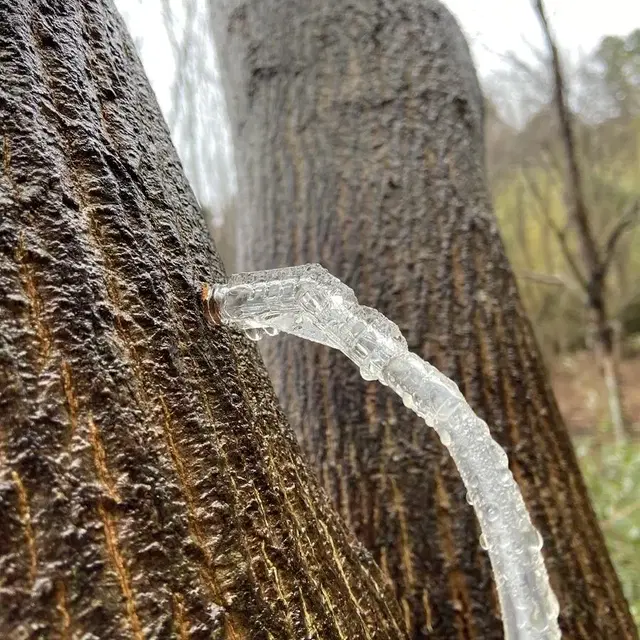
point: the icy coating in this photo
(310, 303)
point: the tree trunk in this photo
(607, 354)
(614, 401)
(358, 131)
(149, 485)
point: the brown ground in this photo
(580, 392)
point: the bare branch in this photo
(625, 222)
(560, 234)
(543, 278)
(552, 280)
(574, 182)
(630, 299)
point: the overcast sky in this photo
(494, 28)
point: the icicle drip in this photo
(310, 303)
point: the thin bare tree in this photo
(596, 257)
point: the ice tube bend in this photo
(308, 302)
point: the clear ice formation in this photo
(308, 302)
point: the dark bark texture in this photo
(149, 485)
(359, 137)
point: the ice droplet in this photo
(538, 541)
(310, 302)
(254, 334)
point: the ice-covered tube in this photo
(310, 303)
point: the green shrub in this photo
(612, 473)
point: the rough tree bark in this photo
(359, 140)
(149, 485)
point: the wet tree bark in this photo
(359, 140)
(149, 485)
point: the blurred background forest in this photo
(535, 202)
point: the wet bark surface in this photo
(359, 139)
(149, 484)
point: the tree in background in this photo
(359, 139)
(565, 288)
(619, 60)
(595, 257)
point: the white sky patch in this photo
(495, 27)
(146, 26)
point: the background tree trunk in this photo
(359, 140)
(149, 485)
